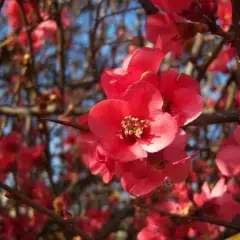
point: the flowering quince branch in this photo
(213, 56)
(193, 218)
(35, 111)
(60, 46)
(30, 45)
(215, 118)
(114, 223)
(23, 199)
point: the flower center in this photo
(166, 106)
(133, 128)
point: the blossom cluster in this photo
(38, 22)
(136, 134)
(208, 203)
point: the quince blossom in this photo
(129, 130)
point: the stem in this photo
(66, 223)
(193, 218)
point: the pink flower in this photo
(171, 165)
(160, 227)
(93, 221)
(214, 203)
(225, 13)
(202, 11)
(9, 146)
(96, 158)
(15, 19)
(171, 32)
(180, 94)
(227, 159)
(130, 127)
(116, 81)
(47, 29)
(13, 151)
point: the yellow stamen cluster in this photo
(133, 127)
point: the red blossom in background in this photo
(47, 29)
(214, 202)
(14, 153)
(227, 159)
(171, 32)
(225, 13)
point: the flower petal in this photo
(110, 80)
(161, 133)
(140, 60)
(145, 100)
(227, 160)
(237, 135)
(141, 187)
(105, 117)
(160, 24)
(178, 172)
(123, 151)
(187, 105)
(171, 80)
(219, 189)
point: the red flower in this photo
(216, 202)
(13, 151)
(41, 31)
(9, 146)
(227, 159)
(135, 124)
(93, 221)
(180, 94)
(171, 32)
(225, 13)
(15, 19)
(161, 227)
(116, 81)
(96, 158)
(171, 165)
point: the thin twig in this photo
(67, 223)
(30, 44)
(69, 124)
(193, 218)
(114, 223)
(213, 56)
(60, 48)
(215, 118)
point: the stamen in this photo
(133, 128)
